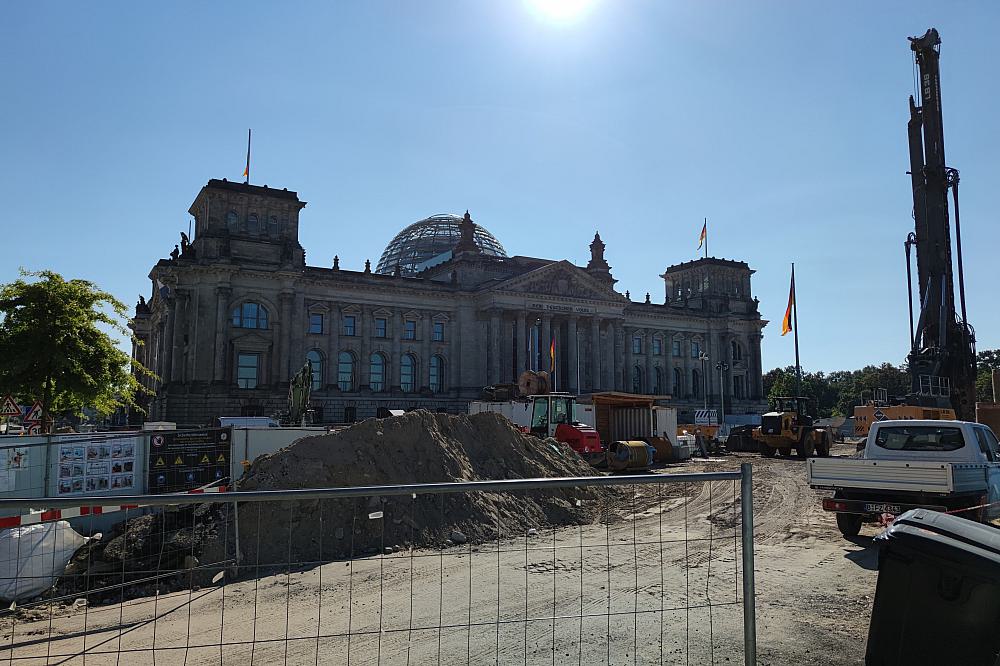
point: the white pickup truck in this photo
(940, 465)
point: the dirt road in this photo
(662, 580)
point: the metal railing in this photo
(652, 568)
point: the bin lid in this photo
(944, 535)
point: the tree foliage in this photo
(988, 360)
(54, 345)
(837, 393)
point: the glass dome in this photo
(429, 242)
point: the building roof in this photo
(245, 188)
(430, 242)
(707, 261)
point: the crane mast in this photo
(942, 354)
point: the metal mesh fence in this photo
(605, 570)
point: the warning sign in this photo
(35, 413)
(9, 407)
(190, 453)
(879, 415)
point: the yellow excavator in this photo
(789, 426)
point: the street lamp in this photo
(722, 366)
(703, 357)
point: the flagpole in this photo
(249, 133)
(795, 330)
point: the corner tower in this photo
(247, 224)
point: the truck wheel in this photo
(824, 446)
(849, 524)
(766, 451)
(785, 451)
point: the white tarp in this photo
(34, 556)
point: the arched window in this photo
(658, 381)
(637, 379)
(345, 371)
(407, 373)
(250, 315)
(316, 359)
(272, 226)
(737, 351)
(437, 374)
(695, 383)
(232, 221)
(252, 226)
(678, 382)
(376, 373)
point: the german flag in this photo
(704, 234)
(552, 354)
(786, 323)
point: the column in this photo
(521, 346)
(222, 294)
(628, 332)
(574, 360)
(298, 333)
(494, 358)
(395, 364)
(364, 346)
(686, 358)
(333, 345)
(284, 333)
(508, 348)
(619, 338)
(650, 371)
(595, 354)
(610, 361)
(162, 363)
(668, 363)
(176, 335)
(426, 324)
(544, 341)
(756, 373)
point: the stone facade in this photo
(235, 313)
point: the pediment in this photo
(560, 279)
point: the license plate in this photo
(876, 507)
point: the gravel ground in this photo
(667, 571)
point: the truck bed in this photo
(897, 475)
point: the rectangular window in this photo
(695, 349)
(920, 438)
(315, 322)
(676, 348)
(657, 347)
(350, 325)
(380, 327)
(738, 387)
(438, 331)
(409, 330)
(246, 370)
(637, 344)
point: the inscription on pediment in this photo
(562, 283)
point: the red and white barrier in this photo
(77, 511)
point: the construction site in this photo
(570, 510)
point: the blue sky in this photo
(782, 122)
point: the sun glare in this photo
(560, 10)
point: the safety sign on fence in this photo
(9, 406)
(706, 417)
(184, 459)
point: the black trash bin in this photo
(938, 594)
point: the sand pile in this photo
(417, 447)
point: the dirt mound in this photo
(417, 447)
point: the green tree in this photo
(55, 346)
(987, 360)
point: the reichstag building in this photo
(235, 312)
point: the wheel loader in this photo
(788, 426)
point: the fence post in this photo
(749, 595)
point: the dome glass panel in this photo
(429, 242)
